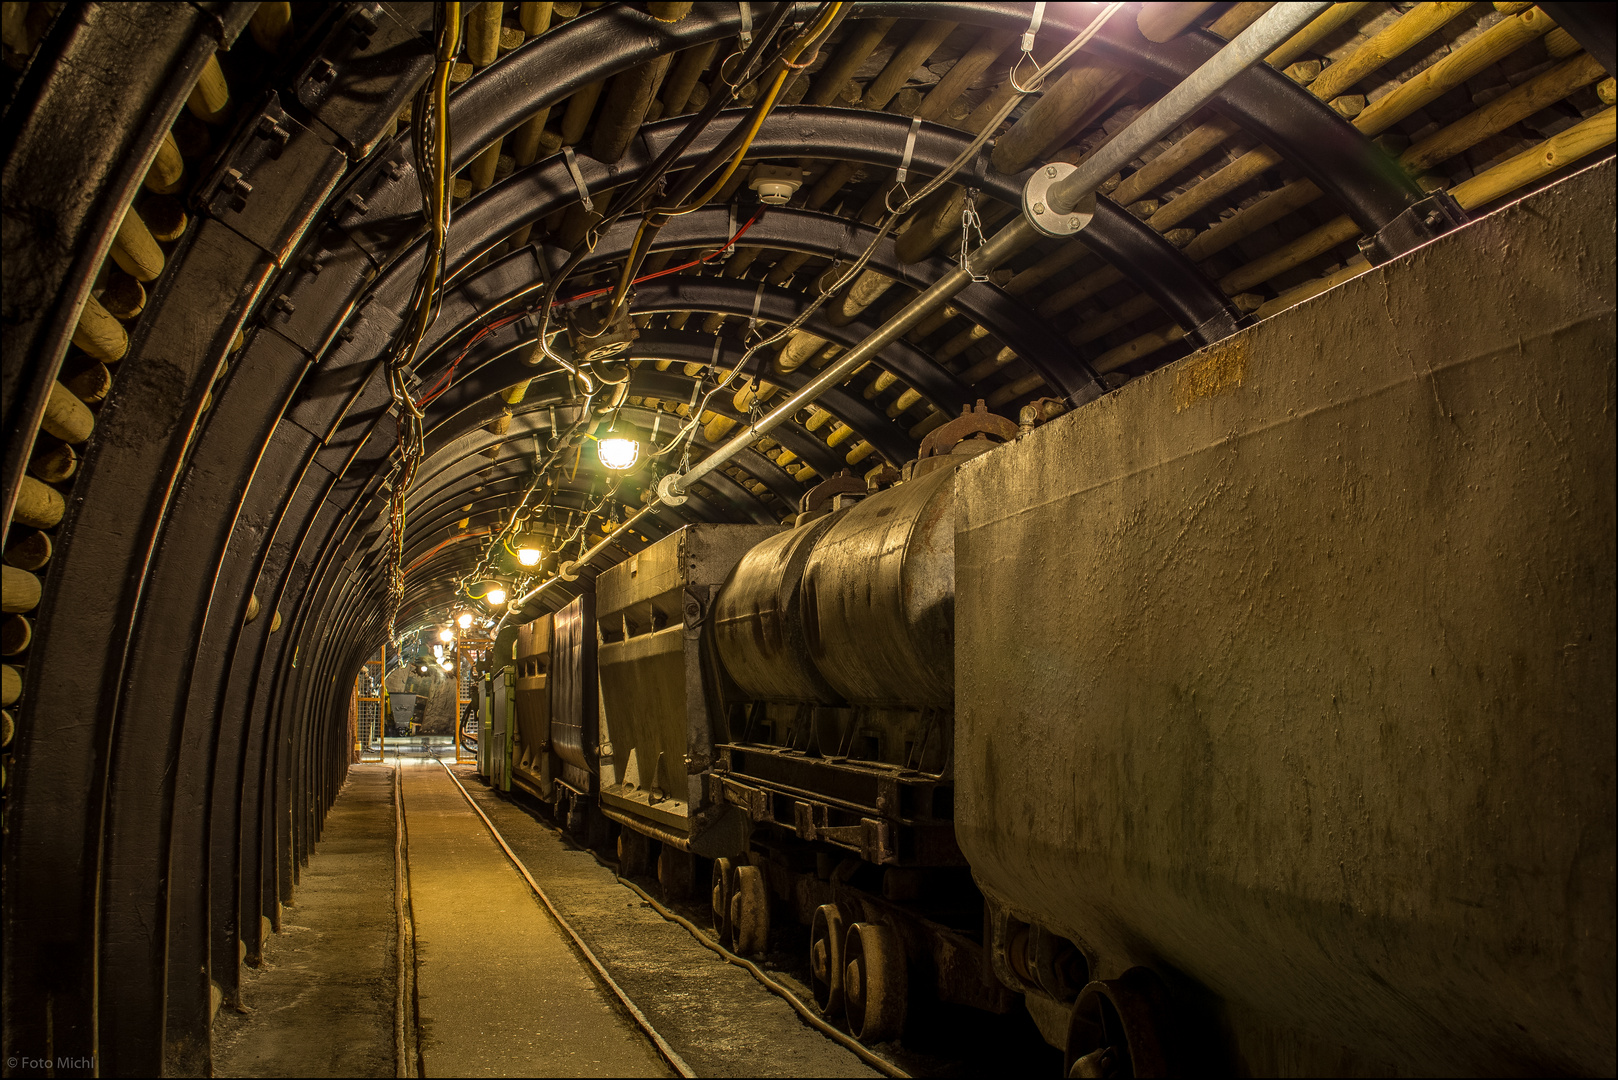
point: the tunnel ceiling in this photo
(220, 234)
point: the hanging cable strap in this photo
(1033, 28)
(578, 178)
(910, 150)
(752, 323)
(745, 37)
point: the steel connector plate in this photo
(1037, 208)
(666, 490)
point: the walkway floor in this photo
(323, 1003)
(501, 991)
(498, 987)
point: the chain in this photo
(971, 223)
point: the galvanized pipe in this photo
(1171, 110)
(1251, 46)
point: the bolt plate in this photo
(1036, 204)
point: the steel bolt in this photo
(1074, 223)
(1039, 208)
(284, 304)
(323, 70)
(1050, 171)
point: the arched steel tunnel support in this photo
(96, 827)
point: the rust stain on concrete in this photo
(1222, 370)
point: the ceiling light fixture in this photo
(618, 454)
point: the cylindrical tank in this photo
(879, 597)
(758, 620)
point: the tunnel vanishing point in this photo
(1094, 516)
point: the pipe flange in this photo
(1037, 209)
(568, 571)
(666, 492)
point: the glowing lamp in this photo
(529, 553)
(496, 596)
(618, 454)
(446, 635)
(464, 620)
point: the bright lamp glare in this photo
(446, 635)
(496, 596)
(464, 620)
(618, 454)
(528, 555)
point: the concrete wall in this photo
(1289, 669)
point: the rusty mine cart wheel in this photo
(826, 958)
(749, 911)
(1113, 1030)
(874, 982)
(634, 854)
(722, 875)
(674, 873)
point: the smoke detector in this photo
(775, 184)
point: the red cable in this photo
(443, 382)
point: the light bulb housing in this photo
(495, 596)
(446, 635)
(618, 454)
(464, 620)
(529, 555)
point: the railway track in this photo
(627, 969)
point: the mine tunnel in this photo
(725, 539)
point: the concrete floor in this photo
(717, 1016)
(499, 990)
(322, 1004)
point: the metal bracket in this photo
(578, 178)
(745, 36)
(666, 492)
(910, 148)
(1036, 203)
(1033, 28)
(1423, 221)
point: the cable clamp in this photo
(752, 323)
(578, 178)
(746, 34)
(1028, 52)
(1033, 28)
(910, 149)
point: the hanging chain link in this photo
(971, 223)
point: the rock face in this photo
(439, 716)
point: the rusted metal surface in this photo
(972, 422)
(658, 679)
(879, 596)
(530, 757)
(1316, 707)
(574, 712)
(758, 620)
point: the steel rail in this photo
(669, 1053)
